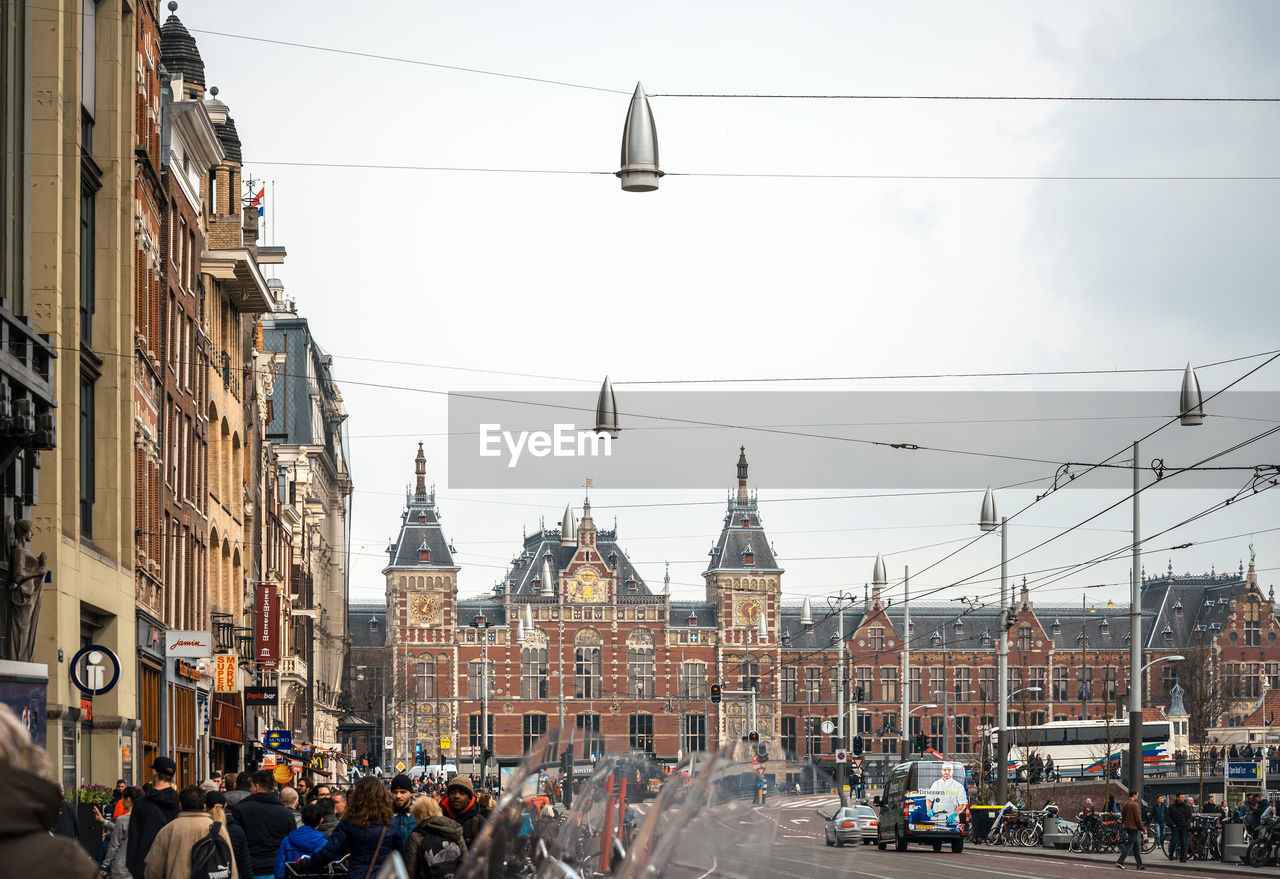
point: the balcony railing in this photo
(293, 666)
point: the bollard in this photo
(1233, 847)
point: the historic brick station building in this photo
(631, 667)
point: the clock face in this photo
(586, 587)
(424, 610)
(749, 610)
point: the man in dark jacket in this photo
(401, 801)
(151, 813)
(1179, 816)
(459, 803)
(266, 822)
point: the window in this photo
(812, 739)
(937, 733)
(640, 664)
(914, 672)
(964, 684)
(813, 685)
(987, 685)
(1085, 677)
(641, 726)
(88, 258)
(425, 679)
(586, 665)
(889, 684)
(962, 743)
(789, 684)
(473, 730)
(875, 638)
(1108, 684)
(534, 680)
(475, 677)
(1024, 638)
(1036, 679)
(1252, 616)
(694, 680)
(535, 727)
(695, 733)
(1061, 691)
(865, 691)
(1168, 677)
(789, 732)
(88, 456)
(749, 673)
(589, 727)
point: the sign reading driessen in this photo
(266, 650)
(188, 644)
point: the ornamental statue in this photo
(26, 586)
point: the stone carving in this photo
(26, 586)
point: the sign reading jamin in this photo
(266, 650)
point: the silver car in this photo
(852, 824)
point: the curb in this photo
(826, 815)
(1215, 867)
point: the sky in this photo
(862, 238)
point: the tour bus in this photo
(1081, 748)
(924, 802)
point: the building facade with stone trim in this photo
(637, 666)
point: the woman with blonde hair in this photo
(435, 848)
(28, 810)
(365, 832)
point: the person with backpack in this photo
(113, 859)
(306, 840)
(366, 832)
(191, 846)
(151, 813)
(460, 803)
(436, 847)
(215, 803)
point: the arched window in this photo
(534, 682)
(586, 665)
(640, 664)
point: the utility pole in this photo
(946, 706)
(906, 663)
(1136, 761)
(1002, 731)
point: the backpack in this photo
(211, 856)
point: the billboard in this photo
(27, 696)
(188, 644)
(266, 649)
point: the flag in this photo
(257, 201)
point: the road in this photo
(797, 850)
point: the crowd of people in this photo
(237, 825)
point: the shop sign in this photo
(100, 672)
(266, 650)
(224, 673)
(188, 644)
(263, 697)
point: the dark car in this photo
(924, 801)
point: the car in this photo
(852, 824)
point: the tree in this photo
(1207, 696)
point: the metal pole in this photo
(946, 706)
(484, 705)
(1135, 647)
(840, 677)
(1084, 661)
(560, 658)
(1002, 709)
(906, 662)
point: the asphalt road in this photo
(796, 849)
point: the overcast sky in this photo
(565, 277)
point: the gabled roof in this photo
(420, 529)
(742, 534)
(545, 545)
(703, 612)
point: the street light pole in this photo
(987, 522)
(906, 662)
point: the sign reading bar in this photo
(263, 697)
(224, 673)
(188, 644)
(266, 650)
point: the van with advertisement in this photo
(924, 802)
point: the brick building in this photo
(611, 655)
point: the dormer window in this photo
(936, 640)
(786, 637)
(986, 639)
(537, 582)
(1057, 626)
(424, 552)
(631, 582)
(373, 625)
(422, 518)
(746, 521)
(959, 628)
(693, 618)
(1104, 627)
(748, 557)
(1167, 633)
(1177, 609)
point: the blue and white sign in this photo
(1244, 772)
(95, 670)
(280, 739)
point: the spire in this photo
(666, 582)
(587, 527)
(420, 474)
(806, 613)
(181, 55)
(742, 474)
(568, 527)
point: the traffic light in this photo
(922, 742)
(857, 746)
(715, 694)
(753, 737)
(861, 695)
(418, 753)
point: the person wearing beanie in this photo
(402, 802)
(459, 803)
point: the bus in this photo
(1081, 748)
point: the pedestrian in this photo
(151, 814)
(213, 782)
(28, 810)
(366, 832)
(170, 854)
(328, 817)
(459, 803)
(266, 822)
(113, 863)
(1159, 813)
(1179, 817)
(115, 808)
(436, 847)
(1131, 818)
(244, 785)
(305, 840)
(215, 803)
(228, 782)
(289, 797)
(68, 824)
(1211, 807)
(1111, 805)
(401, 800)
